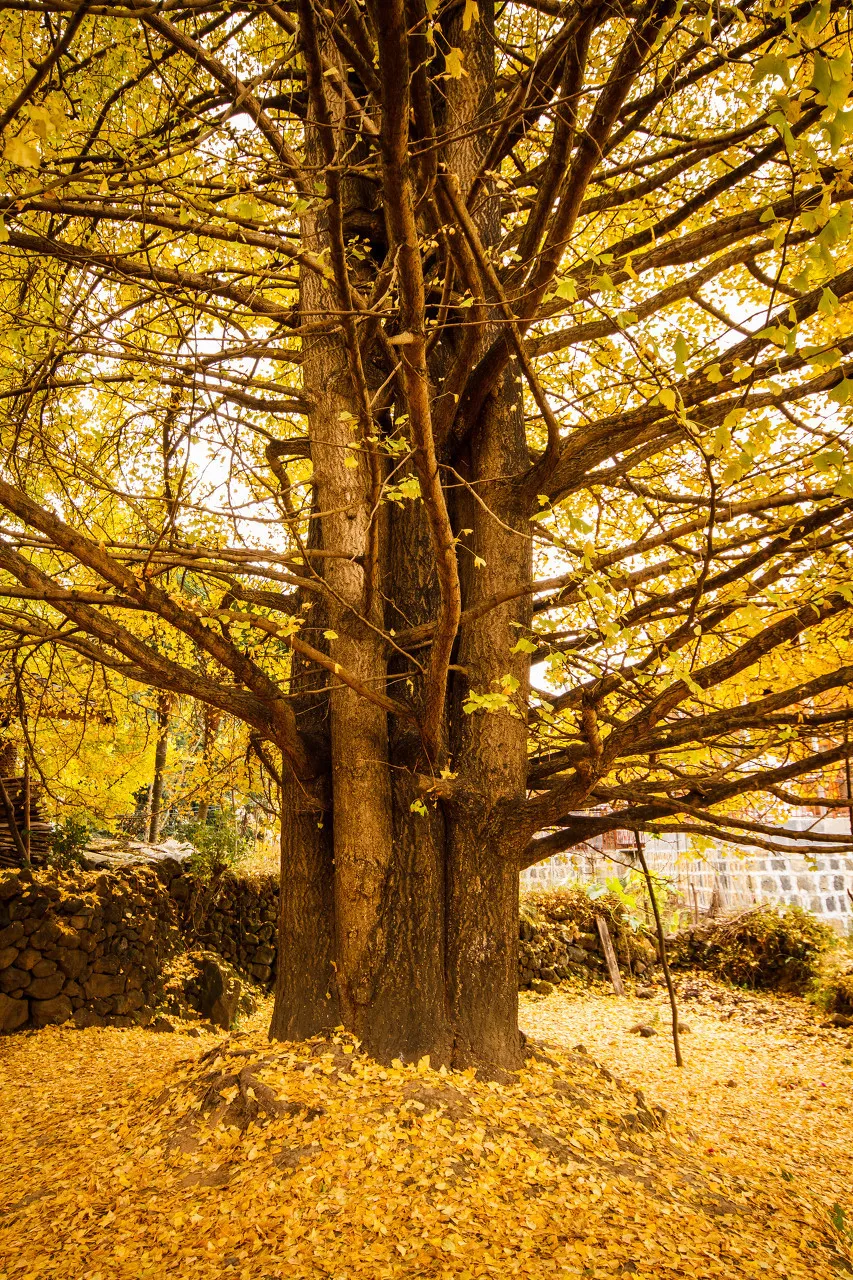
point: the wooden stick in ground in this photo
(662, 945)
(9, 810)
(610, 955)
(28, 806)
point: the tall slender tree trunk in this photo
(212, 719)
(164, 706)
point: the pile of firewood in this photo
(23, 835)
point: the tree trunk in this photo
(212, 719)
(164, 703)
(411, 899)
(306, 996)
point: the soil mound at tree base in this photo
(128, 1154)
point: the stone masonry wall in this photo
(91, 950)
(92, 947)
(730, 881)
(551, 950)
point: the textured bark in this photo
(306, 1000)
(491, 751)
(412, 898)
(161, 752)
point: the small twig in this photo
(679, 1062)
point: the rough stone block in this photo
(73, 963)
(102, 985)
(87, 1018)
(10, 885)
(13, 932)
(8, 956)
(264, 955)
(44, 968)
(13, 978)
(13, 1013)
(41, 989)
(47, 933)
(220, 995)
(28, 959)
(51, 1012)
(128, 1003)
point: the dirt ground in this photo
(132, 1155)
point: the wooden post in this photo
(610, 955)
(848, 780)
(28, 805)
(662, 945)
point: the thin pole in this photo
(847, 773)
(28, 804)
(679, 1062)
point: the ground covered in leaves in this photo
(128, 1154)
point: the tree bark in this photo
(410, 899)
(212, 718)
(164, 703)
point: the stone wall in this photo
(233, 916)
(92, 948)
(724, 879)
(98, 948)
(554, 947)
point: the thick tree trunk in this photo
(412, 900)
(306, 995)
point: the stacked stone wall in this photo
(93, 948)
(553, 947)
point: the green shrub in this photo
(762, 947)
(218, 844)
(68, 843)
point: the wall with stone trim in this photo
(725, 878)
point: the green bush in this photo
(217, 843)
(623, 903)
(67, 843)
(762, 947)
